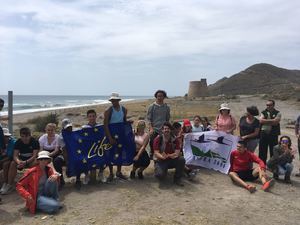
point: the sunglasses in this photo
(284, 141)
(269, 104)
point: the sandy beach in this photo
(210, 199)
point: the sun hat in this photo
(43, 155)
(65, 123)
(224, 106)
(6, 132)
(114, 96)
(187, 122)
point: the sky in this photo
(134, 47)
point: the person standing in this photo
(297, 133)
(249, 128)
(158, 113)
(225, 121)
(114, 114)
(269, 131)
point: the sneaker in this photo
(276, 176)
(132, 175)
(140, 175)
(86, 179)
(178, 183)
(297, 174)
(8, 189)
(266, 186)
(287, 180)
(110, 178)
(121, 176)
(251, 188)
(3, 187)
(101, 176)
(78, 184)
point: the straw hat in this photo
(114, 96)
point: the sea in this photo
(37, 103)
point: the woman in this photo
(50, 142)
(206, 124)
(224, 121)
(38, 186)
(197, 126)
(249, 128)
(141, 159)
(281, 161)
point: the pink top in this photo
(139, 140)
(225, 123)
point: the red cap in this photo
(186, 122)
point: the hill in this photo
(260, 79)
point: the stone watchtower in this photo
(198, 89)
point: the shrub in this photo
(40, 122)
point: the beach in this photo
(210, 199)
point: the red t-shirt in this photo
(242, 161)
(169, 149)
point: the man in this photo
(167, 155)
(39, 186)
(2, 146)
(241, 169)
(158, 113)
(25, 153)
(114, 114)
(92, 117)
(269, 131)
(297, 133)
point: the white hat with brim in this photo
(114, 96)
(224, 106)
(66, 123)
(6, 132)
(43, 155)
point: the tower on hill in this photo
(198, 89)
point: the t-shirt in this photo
(248, 128)
(243, 161)
(225, 123)
(157, 115)
(43, 141)
(197, 129)
(139, 140)
(26, 150)
(170, 146)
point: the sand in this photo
(210, 199)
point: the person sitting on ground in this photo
(206, 124)
(114, 114)
(141, 159)
(240, 170)
(225, 121)
(50, 142)
(7, 157)
(39, 186)
(197, 126)
(25, 153)
(167, 155)
(249, 128)
(281, 161)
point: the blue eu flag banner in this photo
(89, 148)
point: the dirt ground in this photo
(210, 199)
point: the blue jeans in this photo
(285, 169)
(48, 200)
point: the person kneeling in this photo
(240, 171)
(167, 155)
(39, 186)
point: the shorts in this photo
(247, 175)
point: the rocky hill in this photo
(260, 79)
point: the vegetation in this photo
(40, 122)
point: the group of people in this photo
(45, 158)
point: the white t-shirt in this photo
(45, 145)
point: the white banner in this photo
(209, 149)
